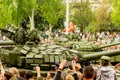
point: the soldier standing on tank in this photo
(21, 34)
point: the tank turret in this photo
(21, 36)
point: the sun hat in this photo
(105, 58)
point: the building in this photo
(94, 3)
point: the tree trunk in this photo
(50, 28)
(32, 27)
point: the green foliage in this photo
(13, 11)
(52, 10)
(60, 24)
(116, 12)
(49, 12)
(102, 17)
(83, 15)
(5, 12)
(24, 9)
(90, 28)
(45, 12)
(40, 21)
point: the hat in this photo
(105, 58)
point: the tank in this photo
(73, 42)
(47, 55)
(86, 46)
(7, 44)
(76, 45)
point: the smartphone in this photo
(69, 63)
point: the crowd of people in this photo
(103, 38)
(105, 72)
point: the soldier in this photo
(33, 36)
(21, 34)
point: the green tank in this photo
(47, 55)
(76, 45)
(86, 46)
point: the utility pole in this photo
(67, 16)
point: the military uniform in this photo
(34, 37)
(21, 36)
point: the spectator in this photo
(106, 72)
(22, 74)
(14, 72)
(49, 76)
(74, 70)
(58, 75)
(116, 66)
(88, 73)
(69, 77)
(1, 71)
(7, 75)
(29, 75)
(39, 77)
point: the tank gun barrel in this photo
(97, 55)
(9, 34)
(7, 43)
(103, 46)
(94, 47)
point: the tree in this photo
(13, 11)
(83, 15)
(40, 21)
(103, 17)
(24, 9)
(5, 13)
(52, 11)
(116, 13)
